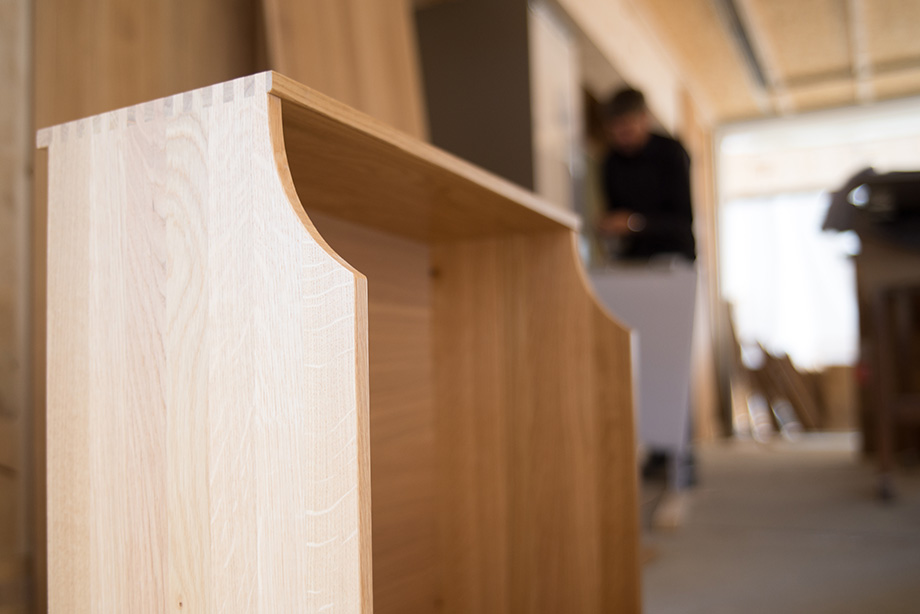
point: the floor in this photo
(787, 528)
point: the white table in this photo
(657, 301)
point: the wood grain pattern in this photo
(92, 56)
(360, 52)
(207, 371)
(402, 442)
(338, 157)
(211, 357)
(535, 433)
(505, 482)
(133, 52)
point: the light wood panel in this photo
(97, 55)
(92, 56)
(891, 30)
(800, 38)
(475, 506)
(501, 434)
(633, 46)
(403, 445)
(458, 384)
(207, 404)
(361, 52)
(338, 157)
(535, 433)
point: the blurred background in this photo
(779, 103)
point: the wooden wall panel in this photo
(15, 465)
(633, 46)
(97, 55)
(710, 419)
(361, 52)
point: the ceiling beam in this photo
(860, 59)
(904, 65)
(737, 21)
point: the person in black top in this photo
(646, 183)
(648, 214)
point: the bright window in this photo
(792, 285)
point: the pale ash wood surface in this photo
(207, 403)
(88, 57)
(501, 434)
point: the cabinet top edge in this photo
(290, 91)
(158, 108)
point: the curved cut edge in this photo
(614, 358)
(585, 281)
(283, 170)
(196, 324)
(276, 134)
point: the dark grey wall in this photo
(476, 72)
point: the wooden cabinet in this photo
(288, 345)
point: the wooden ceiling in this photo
(801, 54)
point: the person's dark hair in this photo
(624, 102)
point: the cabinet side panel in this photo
(555, 537)
(109, 294)
(522, 430)
(474, 355)
(130, 398)
(188, 347)
(618, 476)
(68, 391)
(208, 396)
(306, 407)
(402, 412)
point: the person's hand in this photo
(616, 224)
